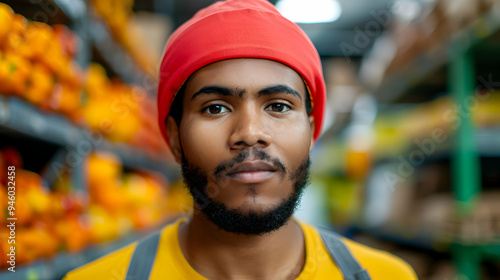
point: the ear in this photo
(174, 139)
(313, 127)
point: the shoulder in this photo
(112, 265)
(380, 264)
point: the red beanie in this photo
(238, 29)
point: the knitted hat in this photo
(239, 29)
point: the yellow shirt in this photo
(171, 264)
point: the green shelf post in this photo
(467, 261)
(465, 158)
(491, 251)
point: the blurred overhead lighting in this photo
(407, 9)
(311, 11)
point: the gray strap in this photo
(143, 258)
(350, 268)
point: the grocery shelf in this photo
(396, 85)
(73, 13)
(74, 9)
(90, 31)
(116, 56)
(56, 267)
(487, 141)
(77, 11)
(492, 250)
(19, 116)
(134, 158)
(455, 66)
(402, 236)
(421, 240)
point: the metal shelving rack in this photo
(465, 161)
(397, 84)
(77, 12)
(23, 119)
(19, 116)
(458, 54)
(115, 55)
(57, 266)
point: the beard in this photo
(253, 222)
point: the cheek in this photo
(203, 143)
(295, 138)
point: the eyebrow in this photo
(233, 92)
(217, 90)
(279, 89)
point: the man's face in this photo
(244, 142)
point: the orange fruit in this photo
(65, 99)
(6, 15)
(40, 85)
(73, 232)
(5, 246)
(26, 180)
(26, 250)
(3, 202)
(23, 209)
(34, 242)
(16, 43)
(67, 39)
(97, 81)
(114, 200)
(103, 166)
(18, 72)
(4, 74)
(43, 37)
(12, 157)
(126, 125)
(39, 200)
(358, 164)
(104, 227)
(19, 24)
(96, 114)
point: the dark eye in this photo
(215, 109)
(278, 107)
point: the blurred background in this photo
(409, 158)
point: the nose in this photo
(250, 129)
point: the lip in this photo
(251, 172)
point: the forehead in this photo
(248, 74)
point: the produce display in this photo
(434, 184)
(121, 112)
(60, 218)
(37, 65)
(118, 16)
(34, 64)
(398, 130)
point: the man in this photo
(241, 101)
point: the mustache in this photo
(258, 154)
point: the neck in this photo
(217, 254)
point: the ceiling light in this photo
(311, 11)
(407, 9)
